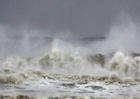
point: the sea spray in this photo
(70, 64)
(124, 63)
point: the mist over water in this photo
(34, 61)
(25, 48)
(63, 49)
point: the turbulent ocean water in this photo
(67, 69)
(35, 66)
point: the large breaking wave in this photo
(60, 61)
(29, 54)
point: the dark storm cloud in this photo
(83, 18)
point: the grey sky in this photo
(83, 18)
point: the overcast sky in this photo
(83, 18)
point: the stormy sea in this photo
(36, 66)
(85, 68)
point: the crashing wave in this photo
(17, 69)
(124, 63)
